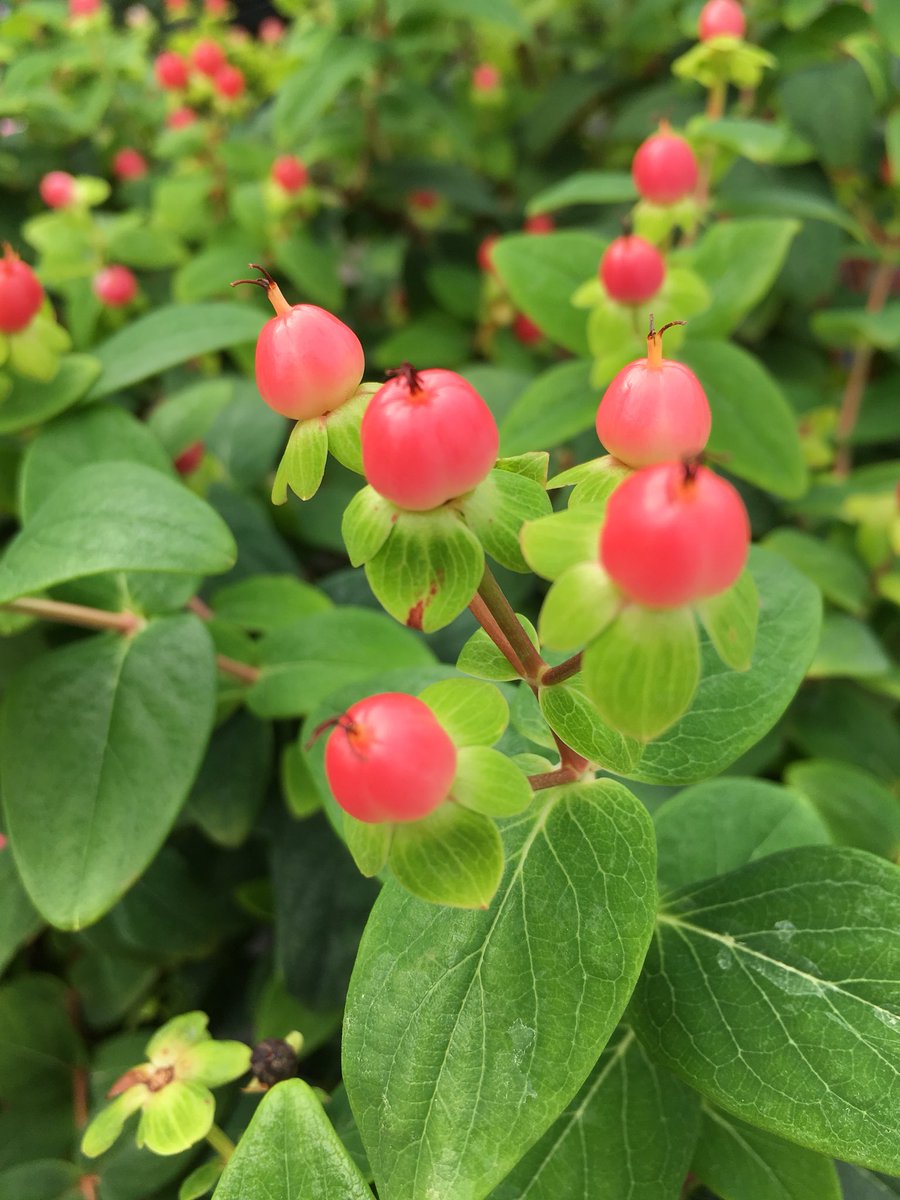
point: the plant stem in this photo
(501, 610)
(564, 671)
(864, 352)
(238, 670)
(568, 759)
(220, 1142)
(75, 614)
(552, 778)
(715, 108)
(485, 619)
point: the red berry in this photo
(180, 118)
(484, 252)
(271, 30)
(21, 294)
(721, 18)
(526, 331)
(189, 460)
(57, 189)
(129, 164)
(84, 8)
(654, 410)
(664, 168)
(290, 173)
(389, 759)
(175, 8)
(632, 270)
(486, 78)
(307, 361)
(114, 286)
(229, 81)
(208, 57)
(427, 437)
(171, 70)
(674, 534)
(424, 199)
(216, 8)
(540, 223)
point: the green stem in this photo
(220, 1142)
(502, 611)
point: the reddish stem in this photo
(75, 614)
(855, 389)
(485, 619)
(551, 779)
(562, 672)
(238, 670)
(502, 611)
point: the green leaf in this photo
(488, 782)
(532, 464)
(832, 106)
(428, 570)
(43, 1180)
(753, 426)
(176, 1117)
(628, 1133)
(585, 187)
(171, 335)
(570, 714)
(115, 708)
(481, 658)
(847, 326)
(369, 843)
(578, 606)
(775, 991)
(291, 1149)
(38, 1043)
(19, 921)
(473, 713)
(743, 1163)
(717, 826)
(471, 1031)
(858, 1184)
(886, 20)
(214, 1063)
(740, 261)
(229, 790)
(848, 647)
(366, 525)
(758, 141)
(343, 425)
(106, 1127)
(300, 794)
(30, 402)
(856, 807)
(643, 669)
(453, 856)
(312, 265)
(201, 1181)
(262, 603)
(730, 620)
(312, 89)
(302, 465)
(496, 510)
(553, 544)
(542, 273)
(558, 405)
(302, 663)
(836, 719)
(115, 517)
(840, 576)
(732, 710)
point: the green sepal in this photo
(578, 606)
(724, 59)
(91, 190)
(108, 1124)
(453, 856)
(643, 669)
(472, 712)
(212, 1063)
(297, 783)
(730, 619)
(367, 522)
(658, 222)
(172, 1039)
(533, 464)
(553, 544)
(302, 465)
(496, 510)
(4, 349)
(481, 658)
(202, 1181)
(428, 570)
(572, 716)
(36, 350)
(489, 782)
(176, 1117)
(368, 842)
(604, 473)
(343, 425)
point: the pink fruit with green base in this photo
(721, 18)
(664, 169)
(389, 759)
(21, 294)
(171, 70)
(229, 82)
(57, 189)
(632, 270)
(129, 164)
(307, 361)
(674, 534)
(427, 437)
(290, 173)
(115, 286)
(208, 57)
(655, 410)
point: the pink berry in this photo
(84, 8)
(189, 460)
(208, 57)
(664, 168)
(271, 30)
(526, 331)
(389, 759)
(632, 270)
(674, 534)
(171, 70)
(485, 247)
(57, 189)
(129, 164)
(3, 841)
(216, 8)
(229, 82)
(427, 437)
(115, 286)
(423, 199)
(307, 361)
(290, 173)
(654, 410)
(180, 118)
(721, 18)
(486, 78)
(540, 223)
(21, 294)
(175, 8)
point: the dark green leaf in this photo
(857, 808)
(30, 401)
(559, 404)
